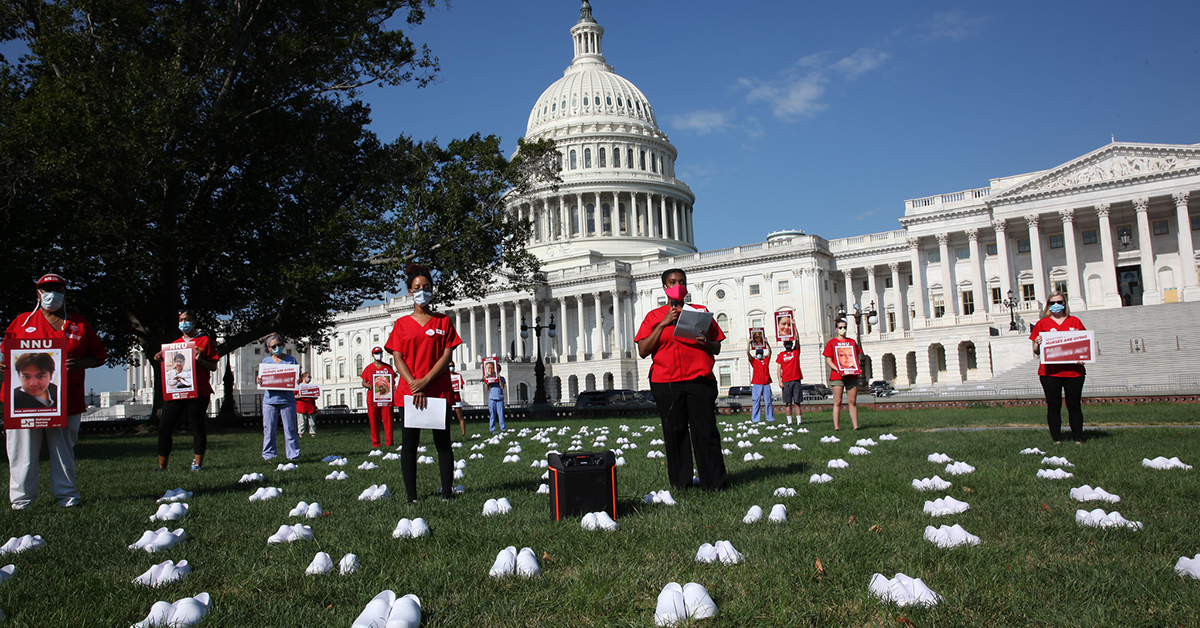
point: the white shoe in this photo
(321, 564)
(671, 608)
(164, 539)
(300, 510)
(665, 497)
(697, 602)
(188, 611)
(281, 535)
(727, 554)
(419, 528)
(174, 495)
(506, 562)
(589, 521)
(251, 477)
(147, 538)
(502, 505)
(706, 554)
(314, 511)
(543, 489)
(527, 563)
(348, 564)
(406, 613)
(778, 514)
(490, 507)
(376, 612)
(403, 529)
(159, 615)
(300, 532)
(753, 515)
(7, 572)
(605, 522)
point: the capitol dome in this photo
(619, 198)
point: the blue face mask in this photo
(277, 350)
(422, 297)
(186, 326)
(1057, 308)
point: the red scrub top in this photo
(82, 341)
(678, 360)
(789, 364)
(1069, 323)
(760, 371)
(834, 375)
(203, 376)
(367, 377)
(422, 347)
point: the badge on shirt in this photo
(429, 332)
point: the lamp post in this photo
(539, 369)
(228, 409)
(1011, 303)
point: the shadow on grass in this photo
(761, 473)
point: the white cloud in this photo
(863, 60)
(701, 122)
(793, 96)
(954, 25)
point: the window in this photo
(726, 377)
(342, 398)
(642, 160)
(723, 322)
(375, 337)
(1027, 292)
(1056, 241)
(991, 250)
(1022, 246)
(939, 305)
(720, 295)
(328, 371)
(616, 158)
(585, 101)
(622, 219)
(574, 219)
(757, 321)
(755, 290)
(258, 350)
(606, 218)
(662, 301)
(558, 158)
(1195, 223)
(608, 100)
(629, 158)
(866, 285)
(591, 218)
(968, 302)
(341, 342)
(910, 280)
(963, 253)
(891, 321)
(935, 257)
(328, 399)
(784, 286)
(341, 369)
(997, 298)
(358, 363)
(835, 286)
(601, 161)
(587, 158)
(1162, 227)
(653, 163)
(574, 163)
(1061, 286)
(887, 282)
(358, 399)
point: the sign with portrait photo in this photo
(37, 376)
(491, 370)
(1068, 347)
(846, 357)
(179, 371)
(381, 388)
(278, 376)
(758, 338)
(785, 326)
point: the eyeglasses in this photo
(275, 346)
(1058, 303)
(841, 326)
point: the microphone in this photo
(675, 303)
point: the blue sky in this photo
(825, 116)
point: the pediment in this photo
(1114, 164)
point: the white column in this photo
(1187, 251)
(978, 278)
(691, 225)
(488, 332)
(848, 280)
(474, 346)
(662, 217)
(597, 331)
(675, 216)
(1075, 296)
(580, 334)
(921, 298)
(560, 342)
(949, 284)
(874, 298)
(1112, 293)
(1151, 294)
(619, 322)
(581, 212)
(899, 308)
(1035, 252)
(598, 220)
(503, 329)
(1006, 284)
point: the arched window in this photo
(328, 370)
(608, 100)
(616, 158)
(564, 104)
(574, 162)
(641, 161)
(606, 218)
(341, 369)
(622, 219)
(574, 102)
(553, 106)
(591, 218)
(602, 162)
(358, 363)
(653, 164)
(587, 158)
(620, 103)
(559, 159)
(574, 219)
(585, 101)
(723, 322)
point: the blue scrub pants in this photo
(762, 392)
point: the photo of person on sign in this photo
(37, 390)
(179, 376)
(783, 326)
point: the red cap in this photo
(377, 350)
(52, 278)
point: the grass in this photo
(1035, 566)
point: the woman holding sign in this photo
(841, 354)
(1059, 378)
(421, 345)
(82, 350)
(279, 404)
(377, 378)
(684, 387)
(186, 394)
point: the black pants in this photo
(689, 424)
(193, 411)
(409, 439)
(1054, 387)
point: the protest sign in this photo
(37, 378)
(785, 328)
(846, 357)
(278, 376)
(179, 371)
(758, 338)
(1068, 347)
(381, 388)
(491, 370)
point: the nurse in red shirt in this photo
(194, 410)
(1059, 378)
(381, 410)
(790, 374)
(684, 388)
(838, 379)
(84, 351)
(422, 344)
(760, 384)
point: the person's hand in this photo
(1037, 342)
(670, 318)
(418, 385)
(419, 400)
(158, 357)
(76, 364)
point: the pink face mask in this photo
(676, 292)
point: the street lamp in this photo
(1011, 303)
(539, 369)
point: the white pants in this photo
(24, 449)
(310, 420)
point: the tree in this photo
(216, 154)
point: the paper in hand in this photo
(433, 417)
(692, 323)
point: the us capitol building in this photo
(1106, 228)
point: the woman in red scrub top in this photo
(421, 345)
(1059, 378)
(195, 410)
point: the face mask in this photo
(422, 297)
(378, 357)
(277, 350)
(787, 346)
(676, 292)
(186, 326)
(452, 369)
(52, 301)
(842, 331)
(1057, 308)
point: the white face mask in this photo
(842, 331)
(52, 301)
(422, 297)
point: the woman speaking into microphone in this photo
(684, 387)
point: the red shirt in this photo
(82, 341)
(789, 365)
(835, 376)
(678, 360)
(760, 371)
(306, 406)
(367, 378)
(1069, 323)
(203, 376)
(422, 347)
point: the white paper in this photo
(692, 323)
(433, 417)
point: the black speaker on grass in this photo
(582, 482)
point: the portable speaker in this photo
(582, 482)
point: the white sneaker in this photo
(707, 554)
(376, 612)
(300, 510)
(605, 522)
(589, 521)
(490, 507)
(189, 611)
(321, 564)
(502, 505)
(671, 608)
(160, 614)
(281, 535)
(778, 514)
(403, 529)
(527, 563)
(727, 554)
(300, 532)
(348, 564)
(314, 511)
(506, 561)
(697, 602)
(753, 515)
(419, 528)
(406, 613)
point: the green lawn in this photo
(1035, 566)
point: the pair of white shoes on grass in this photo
(460, 464)
(1100, 519)
(182, 614)
(251, 477)
(1028, 451)
(859, 451)
(386, 611)
(1057, 461)
(866, 442)
(722, 552)
(830, 439)
(959, 468)
(459, 474)
(367, 466)
(475, 457)
(837, 463)
(543, 489)
(376, 452)
(391, 456)
(374, 493)
(157, 540)
(413, 529)
(496, 506)
(1184, 566)
(291, 466)
(820, 478)
(509, 561)
(937, 458)
(598, 521)
(659, 497)
(903, 590)
(322, 564)
(266, 492)
(540, 464)
(338, 461)
(1163, 464)
(785, 492)
(512, 458)
(337, 475)
(778, 514)
(291, 534)
(165, 572)
(946, 537)
(1086, 493)
(654, 453)
(424, 459)
(750, 457)
(16, 544)
(945, 506)
(170, 512)
(677, 604)
(1054, 474)
(791, 447)
(304, 509)
(174, 496)
(888, 436)
(931, 484)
